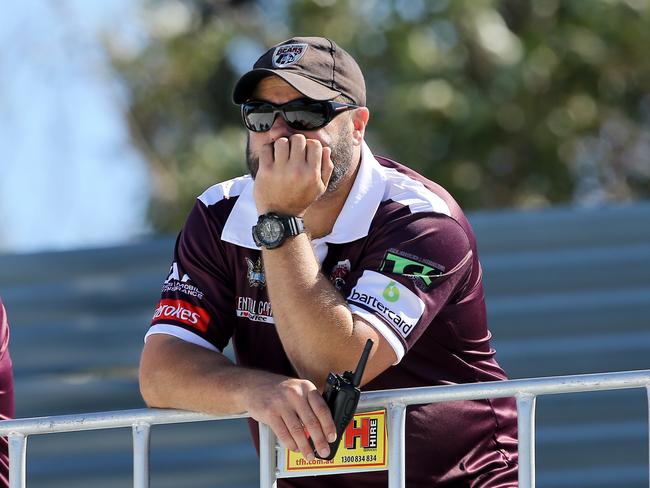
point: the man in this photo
(6, 393)
(323, 247)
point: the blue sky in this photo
(69, 176)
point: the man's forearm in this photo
(312, 318)
(176, 374)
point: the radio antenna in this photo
(356, 378)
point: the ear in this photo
(360, 118)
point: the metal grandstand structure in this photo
(568, 293)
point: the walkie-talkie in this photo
(342, 395)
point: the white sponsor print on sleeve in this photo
(393, 302)
(174, 283)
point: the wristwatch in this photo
(272, 229)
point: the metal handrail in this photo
(395, 401)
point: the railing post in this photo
(526, 435)
(396, 445)
(268, 457)
(647, 389)
(17, 460)
(141, 436)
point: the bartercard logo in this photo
(183, 312)
(391, 292)
(392, 301)
(403, 327)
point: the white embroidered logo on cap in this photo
(288, 54)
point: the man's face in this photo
(337, 134)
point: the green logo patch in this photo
(391, 292)
(422, 273)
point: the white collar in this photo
(352, 223)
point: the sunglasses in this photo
(301, 114)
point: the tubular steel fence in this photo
(394, 401)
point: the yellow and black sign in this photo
(364, 446)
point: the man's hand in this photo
(178, 374)
(294, 410)
(292, 174)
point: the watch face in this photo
(270, 231)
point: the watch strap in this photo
(293, 225)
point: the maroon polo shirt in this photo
(404, 256)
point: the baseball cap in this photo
(315, 66)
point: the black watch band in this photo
(294, 225)
(273, 229)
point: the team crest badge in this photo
(288, 54)
(256, 273)
(339, 273)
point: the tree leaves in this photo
(505, 103)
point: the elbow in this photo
(148, 393)
(148, 390)
(151, 382)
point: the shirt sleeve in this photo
(4, 330)
(413, 266)
(195, 296)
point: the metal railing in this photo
(395, 401)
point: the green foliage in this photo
(505, 103)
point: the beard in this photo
(341, 157)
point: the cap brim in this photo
(308, 87)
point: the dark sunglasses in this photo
(301, 114)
